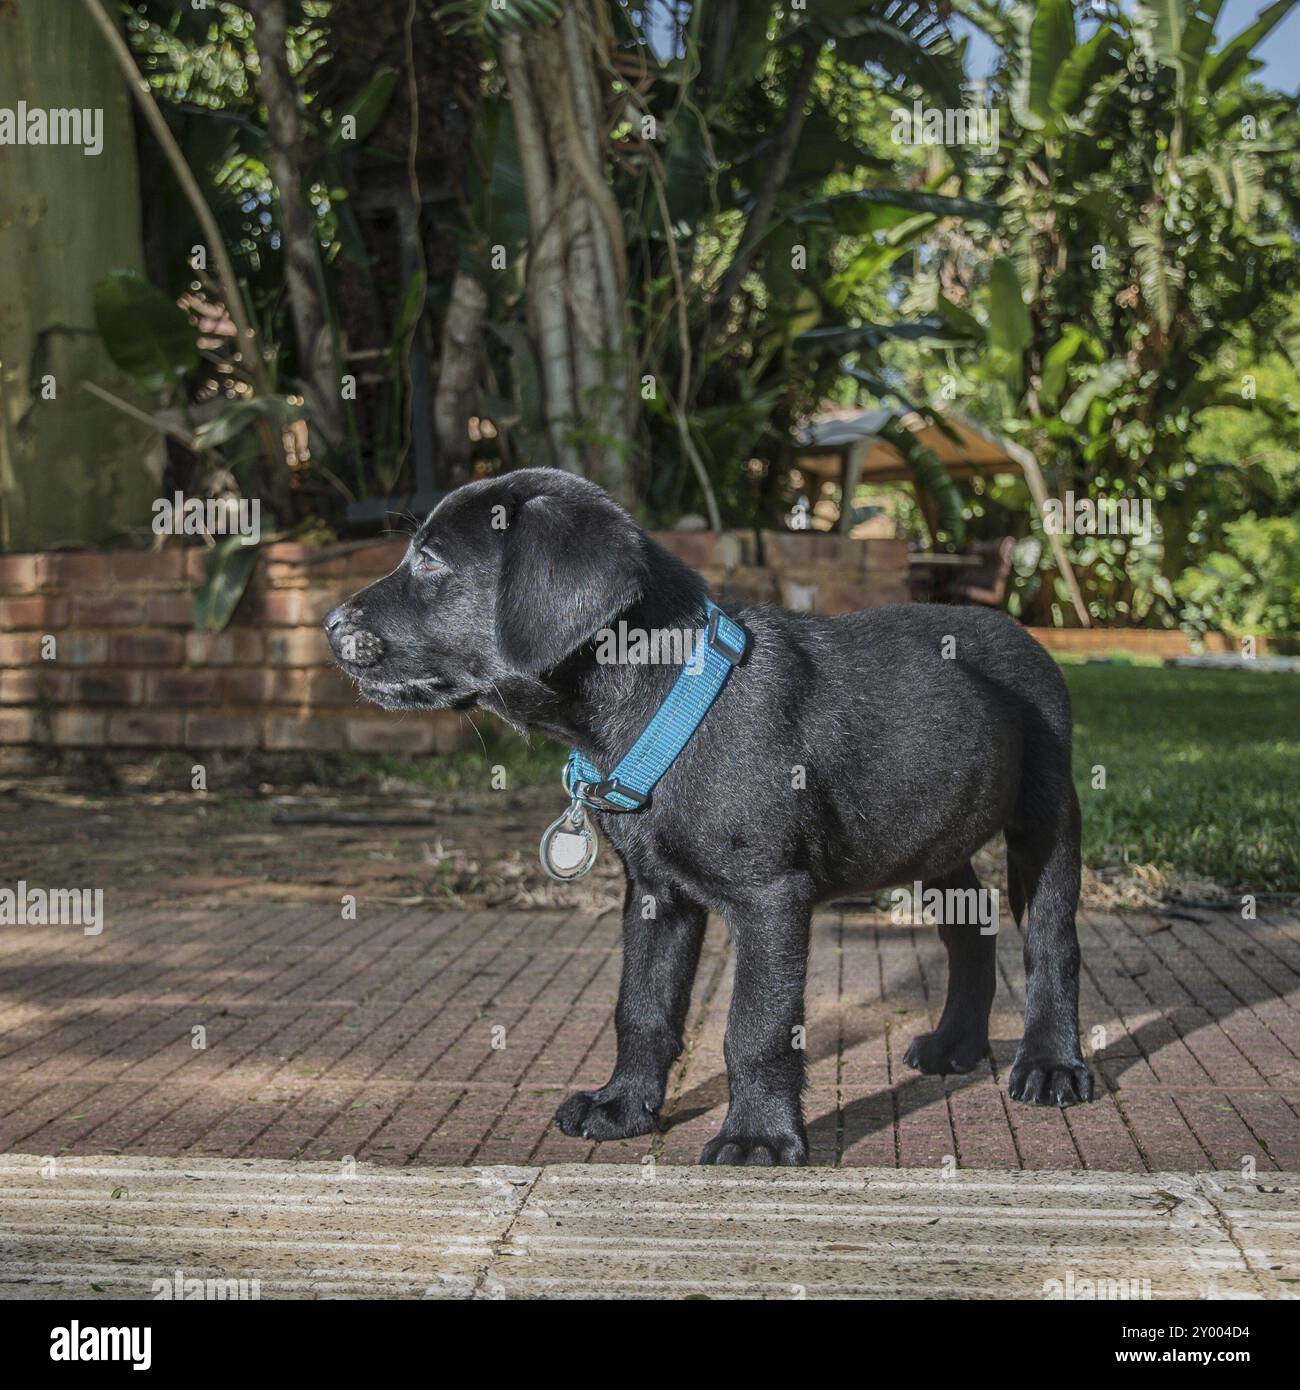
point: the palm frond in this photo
(494, 20)
(1160, 278)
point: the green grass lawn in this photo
(1202, 771)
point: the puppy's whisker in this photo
(502, 698)
(479, 732)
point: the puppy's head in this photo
(506, 577)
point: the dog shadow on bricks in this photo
(839, 1130)
(1173, 1023)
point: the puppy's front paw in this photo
(940, 1053)
(779, 1150)
(605, 1115)
(1043, 1080)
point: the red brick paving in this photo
(416, 1036)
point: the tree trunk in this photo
(72, 469)
(459, 372)
(577, 264)
(318, 364)
(779, 158)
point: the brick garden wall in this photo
(1135, 641)
(129, 671)
(805, 570)
(97, 648)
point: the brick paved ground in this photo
(413, 1036)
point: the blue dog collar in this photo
(628, 787)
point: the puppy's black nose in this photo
(334, 618)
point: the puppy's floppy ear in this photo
(570, 567)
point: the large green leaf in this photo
(730, 431)
(748, 51)
(1200, 30)
(145, 333)
(227, 567)
(365, 108)
(860, 337)
(1075, 79)
(1221, 67)
(873, 260)
(412, 305)
(865, 210)
(504, 213)
(1047, 41)
(240, 415)
(1164, 23)
(1010, 329)
(1056, 362)
(931, 475)
(493, 20)
(1101, 384)
(689, 171)
(907, 40)
(1160, 278)
(1177, 34)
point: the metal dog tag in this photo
(568, 847)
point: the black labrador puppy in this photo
(843, 754)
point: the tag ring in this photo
(562, 861)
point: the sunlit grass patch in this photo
(1201, 771)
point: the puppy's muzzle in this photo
(353, 645)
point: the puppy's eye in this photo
(427, 562)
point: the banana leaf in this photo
(863, 211)
(227, 568)
(366, 108)
(931, 475)
(144, 332)
(1047, 42)
(845, 338)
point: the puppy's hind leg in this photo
(1049, 1068)
(962, 1037)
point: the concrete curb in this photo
(120, 1227)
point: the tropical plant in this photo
(732, 190)
(271, 151)
(1148, 241)
(662, 237)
